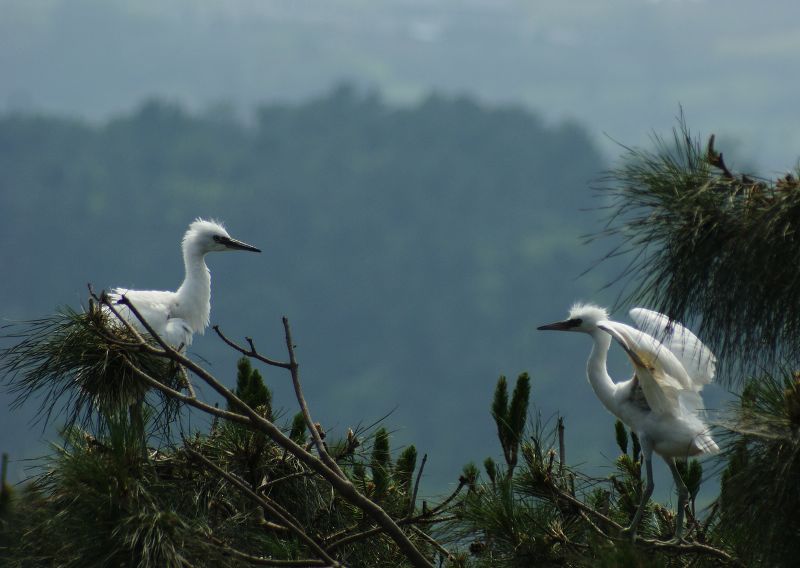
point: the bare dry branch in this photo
(255, 421)
(191, 401)
(693, 547)
(715, 159)
(339, 539)
(262, 561)
(273, 482)
(252, 352)
(294, 369)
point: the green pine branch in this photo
(707, 243)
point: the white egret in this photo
(661, 402)
(176, 316)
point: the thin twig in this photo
(354, 537)
(252, 352)
(188, 380)
(432, 541)
(583, 506)
(262, 561)
(294, 369)
(282, 510)
(448, 499)
(413, 501)
(715, 159)
(191, 401)
(123, 300)
(597, 529)
(423, 518)
(695, 547)
(272, 482)
(119, 342)
(141, 344)
(253, 496)
(648, 543)
(342, 485)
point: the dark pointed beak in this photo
(557, 326)
(238, 245)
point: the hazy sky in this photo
(622, 67)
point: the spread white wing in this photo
(665, 383)
(696, 358)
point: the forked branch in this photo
(324, 466)
(715, 159)
(559, 496)
(251, 352)
(294, 368)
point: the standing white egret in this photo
(176, 316)
(662, 402)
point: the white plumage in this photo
(695, 357)
(177, 316)
(661, 402)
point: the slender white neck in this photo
(194, 295)
(597, 373)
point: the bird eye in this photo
(217, 238)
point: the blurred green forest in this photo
(414, 248)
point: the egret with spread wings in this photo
(661, 402)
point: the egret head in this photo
(582, 317)
(207, 236)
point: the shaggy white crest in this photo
(589, 313)
(202, 232)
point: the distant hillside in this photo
(414, 249)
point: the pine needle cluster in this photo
(546, 513)
(759, 496)
(711, 243)
(510, 417)
(98, 502)
(704, 242)
(75, 363)
(105, 497)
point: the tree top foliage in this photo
(711, 244)
(369, 212)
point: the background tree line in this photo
(702, 236)
(416, 248)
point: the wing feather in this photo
(696, 358)
(153, 305)
(661, 375)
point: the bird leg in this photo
(683, 497)
(646, 493)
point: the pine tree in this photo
(722, 246)
(240, 493)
